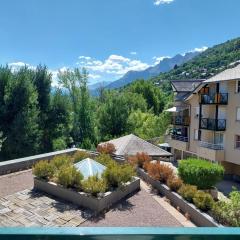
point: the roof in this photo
(228, 74)
(131, 145)
(89, 167)
(186, 85)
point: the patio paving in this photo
(31, 208)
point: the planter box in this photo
(85, 200)
(200, 218)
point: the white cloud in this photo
(15, 66)
(133, 53)
(115, 65)
(202, 49)
(157, 60)
(159, 2)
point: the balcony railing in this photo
(179, 138)
(217, 98)
(213, 146)
(213, 124)
(181, 120)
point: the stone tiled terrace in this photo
(20, 205)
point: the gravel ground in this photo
(137, 211)
(15, 182)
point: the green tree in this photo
(42, 80)
(22, 131)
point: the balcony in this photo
(213, 124)
(179, 138)
(217, 98)
(211, 151)
(181, 120)
(179, 142)
(210, 145)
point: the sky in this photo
(110, 37)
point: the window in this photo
(237, 141)
(238, 114)
(237, 86)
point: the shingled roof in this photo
(228, 74)
(186, 85)
(131, 145)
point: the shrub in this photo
(104, 159)
(80, 155)
(116, 174)
(174, 183)
(43, 169)
(94, 185)
(201, 173)
(153, 170)
(203, 200)
(68, 176)
(187, 192)
(228, 212)
(159, 171)
(140, 159)
(107, 148)
(59, 161)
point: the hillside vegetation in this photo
(206, 64)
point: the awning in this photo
(176, 109)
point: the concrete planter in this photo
(85, 200)
(200, 218)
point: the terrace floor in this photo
(22, 206)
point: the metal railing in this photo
(120, 233)
(181, 120)
(179, 137)
(213, 124)
(214, 146)
(216, 98)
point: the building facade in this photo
(206, 119)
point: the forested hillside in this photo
(206, 64)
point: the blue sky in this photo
(110, 37)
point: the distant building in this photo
(206, 119)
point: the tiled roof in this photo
(186, 85)
(228, 74)
(131, 145)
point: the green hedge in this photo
(201, 173)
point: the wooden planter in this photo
(85, 200)
(200, 218)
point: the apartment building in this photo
(206, 119)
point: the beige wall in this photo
(194, 123)
(233, 126)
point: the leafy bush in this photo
(188, 192)
(43, 169)
(201, 173)
(228, 212)
(174, 183)
(160, 171)
(107, 148)
(104, 159)
(59, 161)
(68, 176)
(80, 155)
(94, 185)
(116, 174)
(203, 200)
(140, 159)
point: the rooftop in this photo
(131, 145)
(20, 205)
(228, 74)
(186, 86)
